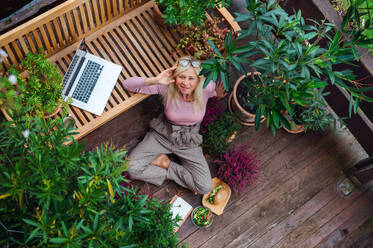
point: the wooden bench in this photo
(121, 31)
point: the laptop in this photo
(89, 81)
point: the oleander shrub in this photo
(238, 168)
(56, 195)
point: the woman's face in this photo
(187, 81)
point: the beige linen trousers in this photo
(184, 142)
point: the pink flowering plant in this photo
(238, 168)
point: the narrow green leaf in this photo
(258, 115)
(58, 240)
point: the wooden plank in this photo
(45, 40)
(121, 8)
(148, 45)
(96, 12)
(23, 45)
(61, 41)
(102, 11)
(301, 214)
(141, 70)
(247, 227)
(90, 14)
(115, 60)
(362, 203)
(78, 25)
(51, 35)
(37, 39)
(108, 9)
(123, 61)
(224, 13)
(149, 17)
(359, 236)
(280, 169)
(160, 40)
(83, 17)
(126, 5)
(64, 29)
(341, 233)
(17, 50)
(322, 217)
(139, 53)
(115, 8)
(71, 26)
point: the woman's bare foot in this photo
(162, 161)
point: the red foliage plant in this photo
(238, 168)
(214, 108)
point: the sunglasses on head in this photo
(186, 62)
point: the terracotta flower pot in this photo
(54, 113)
(296, 129)
(246, 118)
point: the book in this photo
(180, 207)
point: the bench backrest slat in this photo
(62, 26)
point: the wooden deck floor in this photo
(295, 201)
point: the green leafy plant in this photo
(194, 39)
(56, 195)
(315, 116)
(43, 85)
(292, 63)
(188, 12)
(217, 137)
(38, 88)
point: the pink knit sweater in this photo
(181, 114)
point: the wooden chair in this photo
(121, 31)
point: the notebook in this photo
(89, 81)
(180, 207)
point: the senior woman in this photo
(177, 129)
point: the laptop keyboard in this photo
(70, 70)
(87, 81)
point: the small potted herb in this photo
(202, 217)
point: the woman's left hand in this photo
(220, 91)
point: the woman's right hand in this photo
(163, 78)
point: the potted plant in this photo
(38, 88)
(237, 168)
(292, 64)
(314, 116)
(202, 217)
(243, 89)
(194, 38)
(187, 13)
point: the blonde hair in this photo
(172, 93)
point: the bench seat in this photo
(126, 35)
